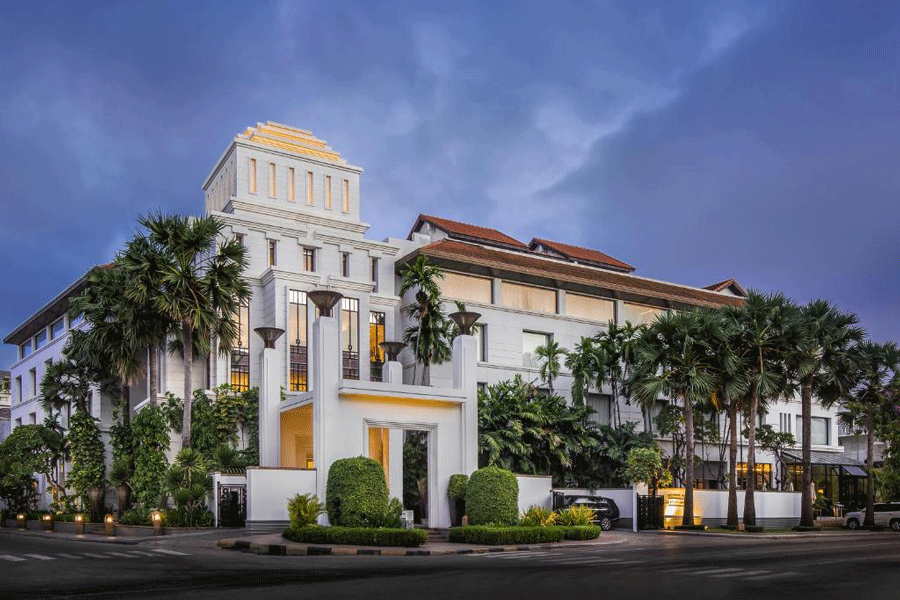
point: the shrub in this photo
(195, 517)
(576, 515)
(538, 516)
(358, 536)
(493, 497)
(87, 453)
(495, 535)
(581, 532)
(150, 433)
(190, 483)
(304, 510)
(391, 516)
(138, 515)
(456, 489)
(356, 493)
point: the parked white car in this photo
(886, 515)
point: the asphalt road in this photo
(863, 565)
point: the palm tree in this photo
(765, 328)
(819, 362)
(584, 364)
(674, 357)
(550, 355)
(616, 345)
(198, 285)
(874, 366)
(421, 276)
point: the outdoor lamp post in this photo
(325, 300)
(47, 521)
(21, 519)
(110, 526)
(156, 517)
(392, 350)
(269, 335)
(465, 320)
(79, 524)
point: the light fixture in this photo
(48, 521)
(392, 349)
(325, 300)
(79, 524)
(156, 517)
(465, 319)
(269, 335)
(110, 525)
(21, 519)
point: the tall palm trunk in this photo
(732, 466)
(187, 336)
(806, 499)
(688, 516)
(749, 500)
(151, 373)
(869, 521)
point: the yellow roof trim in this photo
(401, 400)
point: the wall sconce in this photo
(21, 519)
(156, 517)
(79, 524)
(47, 521)
(110, 526)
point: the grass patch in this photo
(357, 536)
(690, 528)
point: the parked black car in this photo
(606, 510)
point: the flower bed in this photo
(357, 536)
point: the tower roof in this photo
(291, 139)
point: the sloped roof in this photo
(819, 457)
(580, 254)
(736, 287)
(469, 232)
(532, 264)
(291, 139)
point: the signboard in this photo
(674, 508)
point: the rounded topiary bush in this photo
(356, 494)
(492, 497)
(456, 489)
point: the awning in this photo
(855, 471)
(818, 457)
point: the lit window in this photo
(297, 336)
(376, 352)
(273, 252)
(309, 189)
(346, 196)
(271, 180)
(639, 314)
(527, 297)
(309, 260)
(291, 195)
(531, 341)
(465, 287)
(345, 264)
(588, 307)
(762, 479)
(252, 175)
(350, 337)
(328, 192)
(240, 352)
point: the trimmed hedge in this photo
(496, 535)
(492, 497)
(456, 489)
(581, 532)
(357, 536)
(356, 494)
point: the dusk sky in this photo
(696, 142)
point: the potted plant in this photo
(96, 495)
(456, 493)
(119, 476)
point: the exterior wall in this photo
(773, 509)
(534, 490)
(264, 503)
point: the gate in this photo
(650, 512)
(232, 505)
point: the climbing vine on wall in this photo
(150, 436)
(86, 446)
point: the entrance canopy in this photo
(828, 459)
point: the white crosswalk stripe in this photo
(739, 574)
(141, 553)
(91, 555)
(40, 557)
(70, 556)
(174, 552)
(119, 555)
(773, 576)
(11, 558)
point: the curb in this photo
(285, 550)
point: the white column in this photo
(395, 466)
(269, 409)
(392, 372)
(326, 381)
(465, 356)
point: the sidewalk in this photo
(275, 545)
(131, 540)
(767, 536)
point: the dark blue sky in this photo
(694, 141)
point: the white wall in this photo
(534, 490)
(268, 491)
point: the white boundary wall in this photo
(534, 489)
(772, 508)
(268, 491)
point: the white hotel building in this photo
(295, 204)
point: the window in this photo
(374, 274)
(819, 431)
(309, 189)
(271, 180)
(252, 175)
(466, 287)
(376, 352)
(32, 377)
(227, 183)
(273, 253)
(762, 479)
(345, 264)
(240, 352)
(350, 337)
(638, 314)
(309, 260)
(588, 307)
(76, 320)
(478, 332)
(328, 192)
(531, 341)
(32, 418)
(239, 238)
(57, 328)
(40, 340)
(20, 396)
(25, 349)
(526, 297)
(290, 174)
(784, 422)
(19, 422)
(345, 202)
(601, 403)
(297, 336)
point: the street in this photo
(647, 565)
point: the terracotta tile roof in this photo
(582, 254)
(557, 270)
(469, 232)
(718, 287)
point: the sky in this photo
(695, 141)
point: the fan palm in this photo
(550, 355)
(422, 277)
(616, 345)
(584, 364)
(819, 362)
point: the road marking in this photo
(120, 554)
(40, 557)
(739, 574)
(11, 558)
(716, 570)
(142, 553)
(772, 576)
(70, 556)
(175, 552)
(90, 555)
